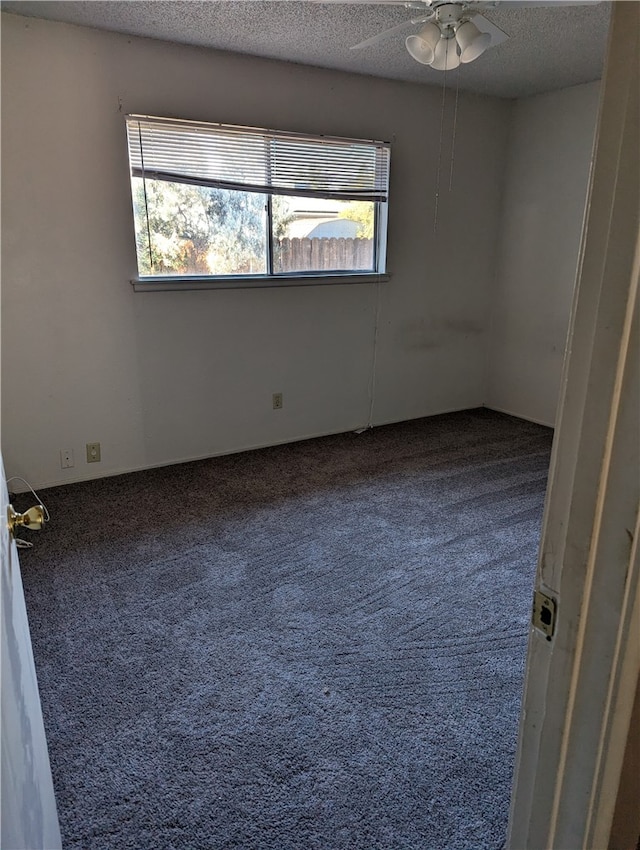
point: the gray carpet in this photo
(318, 646)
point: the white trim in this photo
(615, 729)
(580, 688)
(190, 459)
(380, 423)
(604, 542)
(625, 666)
(126, 470)
(186, 283)
(519, 416)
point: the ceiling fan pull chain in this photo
(455, 123)
(444, 91)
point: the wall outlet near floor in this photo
(277, 401)
(66, 458)
(93, 452)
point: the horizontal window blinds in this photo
(251, 159)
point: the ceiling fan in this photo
(454, 32)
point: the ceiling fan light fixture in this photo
(473, 43)
(446, 56)
(422, 46)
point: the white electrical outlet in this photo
(277, 401)
(93, 452)
(66, 458)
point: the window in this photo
(213, 200)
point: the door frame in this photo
(580, 685)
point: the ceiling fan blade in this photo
(485, 25)
(382, 35)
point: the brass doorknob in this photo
(33, 519)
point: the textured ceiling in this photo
(548, 48)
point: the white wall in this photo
(163, 377)
(547, 173)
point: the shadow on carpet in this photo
(318, 645)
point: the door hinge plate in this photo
(544, 613)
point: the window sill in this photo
(184, 282)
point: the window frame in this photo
(270, 278)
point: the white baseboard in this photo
(253, 447)
(110, 473)
(380, 423)
(520, 416)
